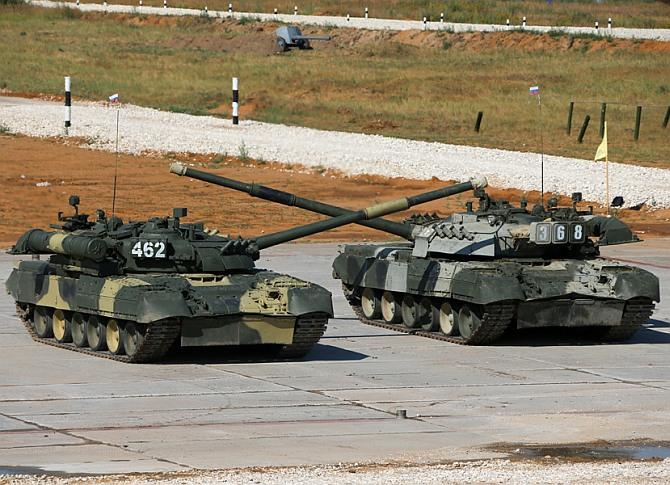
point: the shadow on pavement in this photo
(539, 337)
(252, 354)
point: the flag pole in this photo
(607, 184)
(539, 102)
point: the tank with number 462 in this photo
(471, 276)
(130, 291)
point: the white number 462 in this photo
(149, 249)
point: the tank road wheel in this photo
(391, 311)
(410, 312)
(113, 337)
(95, 333)
(468, 322)
(42, 322)
(78, 329)
(133, 337)
(61, 327)
(448, 319)
(429, 318)
(371, 303)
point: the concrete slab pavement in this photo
(61, 411)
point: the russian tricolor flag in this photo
(534, 90)
(114, 98)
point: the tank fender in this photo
(158, 305)
(637, 284)
(312, 299)
(485, 286)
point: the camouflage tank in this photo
(470, 277)
(130, 291)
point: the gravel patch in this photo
(144, 129)
(360, 22)
(492, 471)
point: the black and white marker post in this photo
(236, 102)
(68, 105)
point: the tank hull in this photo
(253, 308)
(556, 293)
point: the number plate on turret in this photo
(149, 249)
(557, 232)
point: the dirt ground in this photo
(37, 176)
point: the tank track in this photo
(157, 341)
(308, 331)
(495, 321)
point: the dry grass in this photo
(640, 13)
(422, 85)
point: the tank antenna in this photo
(535, 91)
(116, 165)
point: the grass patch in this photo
(398, 84)
(3, 130)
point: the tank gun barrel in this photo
(288, 199)
(37, 241)
(349, 217)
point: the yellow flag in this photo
(602, 148)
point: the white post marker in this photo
(508, 23)
(77, 3)
(206, 10)
(366, 12)
(442, 17)
(230, 9)
(68, 104)
(523, 22)
(236, 102)
(295, 10)
(104, 4)
(596, 26)
(140, 3)
(275, 11)
(424, 23)
(609, 23)
(164, 3)
(347, 17)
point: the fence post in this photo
(603, 111)
(571, 108)
(366, 12)
(667, 118)
(582, 131)
(478, 123)
(638, 119)
(523, 22)
(295, 10)
(424, 23)
(68, 104)
(442, 17)
(236, 102)
(609, 23)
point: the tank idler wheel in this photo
(371, 303)
(95, 333)
(78, 329)
(391, 310)
(42, 322)
(133, 337)
(113, 331)
(468, 322)
(448, 319)
(61, 327)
